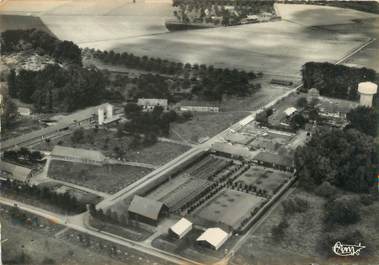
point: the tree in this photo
(12, 88)
(301, 102)
(363, 119)
(9, 112)
(132, 109)
(343, 210)
(77, 136)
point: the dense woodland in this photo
(58, 89)
(42, 42)
(345, 158)
(337, 81)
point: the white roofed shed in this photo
(181, 228)
(214, 237)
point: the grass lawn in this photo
(109, 178)
(204, 125)
(40, 247)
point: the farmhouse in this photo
(213, 238)
(78, 155)
(180, 229)
(149, 104)
(147, 210)
(280, 162)
(12, 171)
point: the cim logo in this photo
(344, 250)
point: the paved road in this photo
(76, 223)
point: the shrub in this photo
(326, 190)
(343, 211)
(295, 205)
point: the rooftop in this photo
(182, 227)
(367, 88)
(78, 153)
(236, 150)
(275, 159)
(214, 236)
(18, 172)
(146, 207)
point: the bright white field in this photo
(277, 47)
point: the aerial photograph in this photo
(189, 132)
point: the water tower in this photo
(367, 90)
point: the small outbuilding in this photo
(180, 229)
(213, 238)
(147, 210)
(290, 111)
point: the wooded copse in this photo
(337, 81)
(58, 89)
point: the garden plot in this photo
(107, 178)
(264, 179)
(229, 208)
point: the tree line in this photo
(337, 81)
(63, 201)
(207, 82)
(58, 89)
(41, 42)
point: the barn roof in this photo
(146, 207)
(214, 236)
(77, 153)
(18, 172)
(182, 227)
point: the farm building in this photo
(180, 229)
(78, 155)
(281, 82)
(150, 103)
(24, 111)
(203, 106)
(213, 238)
(290, 111)
(147, 210)
(280, 162)
(12, 171)
(234, 151)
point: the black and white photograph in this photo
(189, 132)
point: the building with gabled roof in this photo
(78, 155)
(15, 172)
(150, 103)
(146, 210)
(181, 228)
(213, 238)
(281, 162)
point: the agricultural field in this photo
(92, 21)
(107, 178)
(279, 47)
